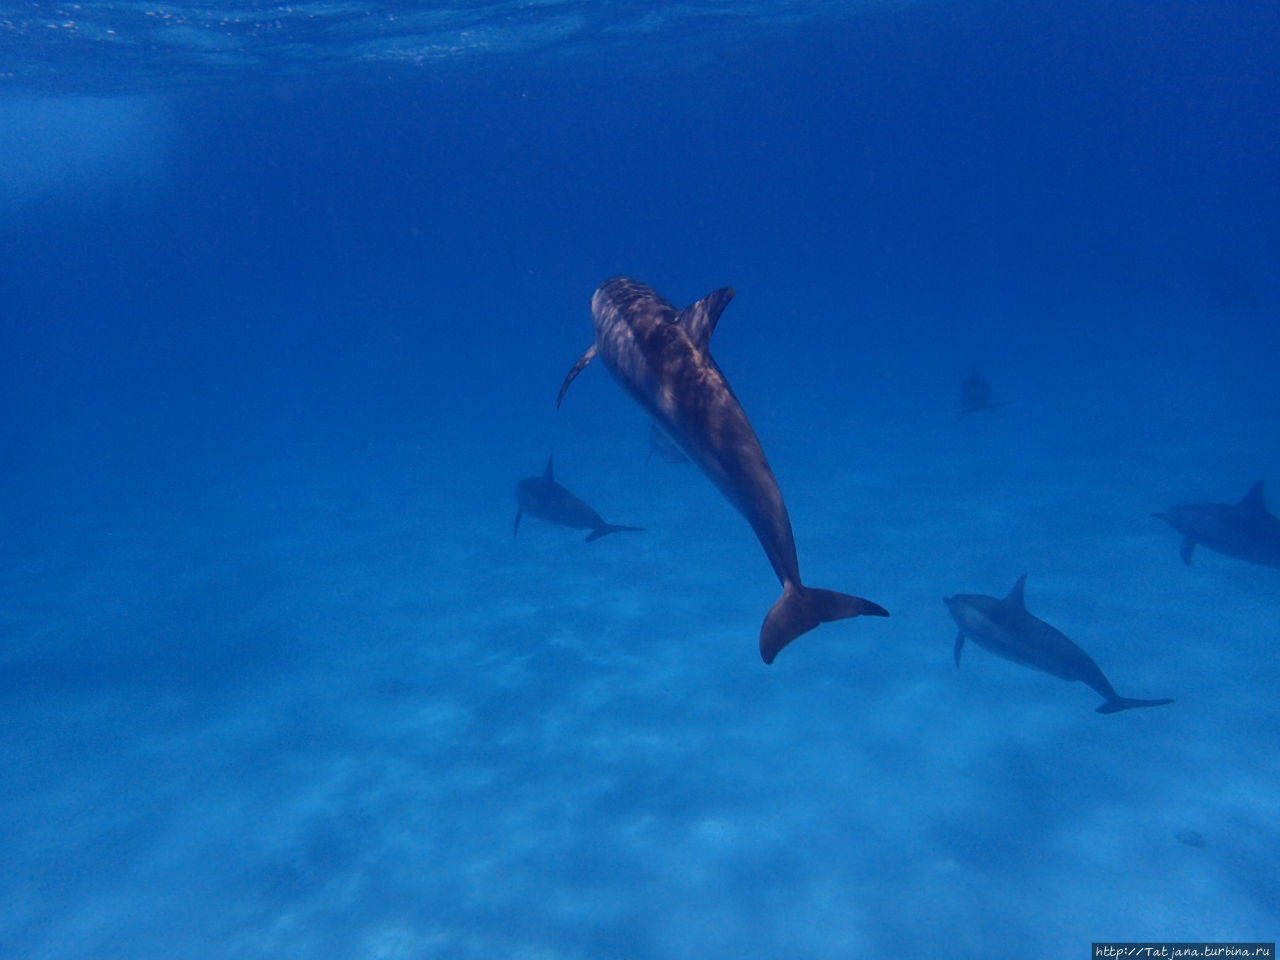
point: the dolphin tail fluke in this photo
(1117, 703)
(801, 608)
(608, 528)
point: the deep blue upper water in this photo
(286, 293)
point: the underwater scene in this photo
(573, 479)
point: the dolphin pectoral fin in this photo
(1188, 546)
(608, 528)
(699, 319)
(1117, 703)
(800, 609)
(516, 526)
(574, 371)
(1187, 549)
(959, 646)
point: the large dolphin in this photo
(1006, 629)
(661, 357)
(544, 498)
(1245, 530)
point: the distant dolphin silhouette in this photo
(975, 394)
(542, 497)
(1005, 628)
(1245, 530)
(661, 357)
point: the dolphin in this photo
(1006, 629)
(661, 357)
(1245, 530)
(543, 497)
(975, 394)
(664, 447)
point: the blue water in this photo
(287, 296)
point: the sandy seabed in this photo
(320, 712)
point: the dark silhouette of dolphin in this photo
(975, 394)
(542, 497)
(1006, 629)
(661, 357)
(1244, 530)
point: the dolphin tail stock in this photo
(607, 528)
(802, 608)
(1117, 703)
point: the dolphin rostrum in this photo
(1245, 530)
(543, 497)
(661, 357)
(1006, 629)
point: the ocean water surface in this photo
(287, 292)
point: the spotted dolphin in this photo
(542, 497)
(1245, 530)
(1005, 628)
(661, 357)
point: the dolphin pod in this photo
(661, 357)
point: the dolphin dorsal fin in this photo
(699, 319)
(547, 474)
(1015, 595)
(1255, 499)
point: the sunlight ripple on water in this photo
(117, 47)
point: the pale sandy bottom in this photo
(346, 714)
